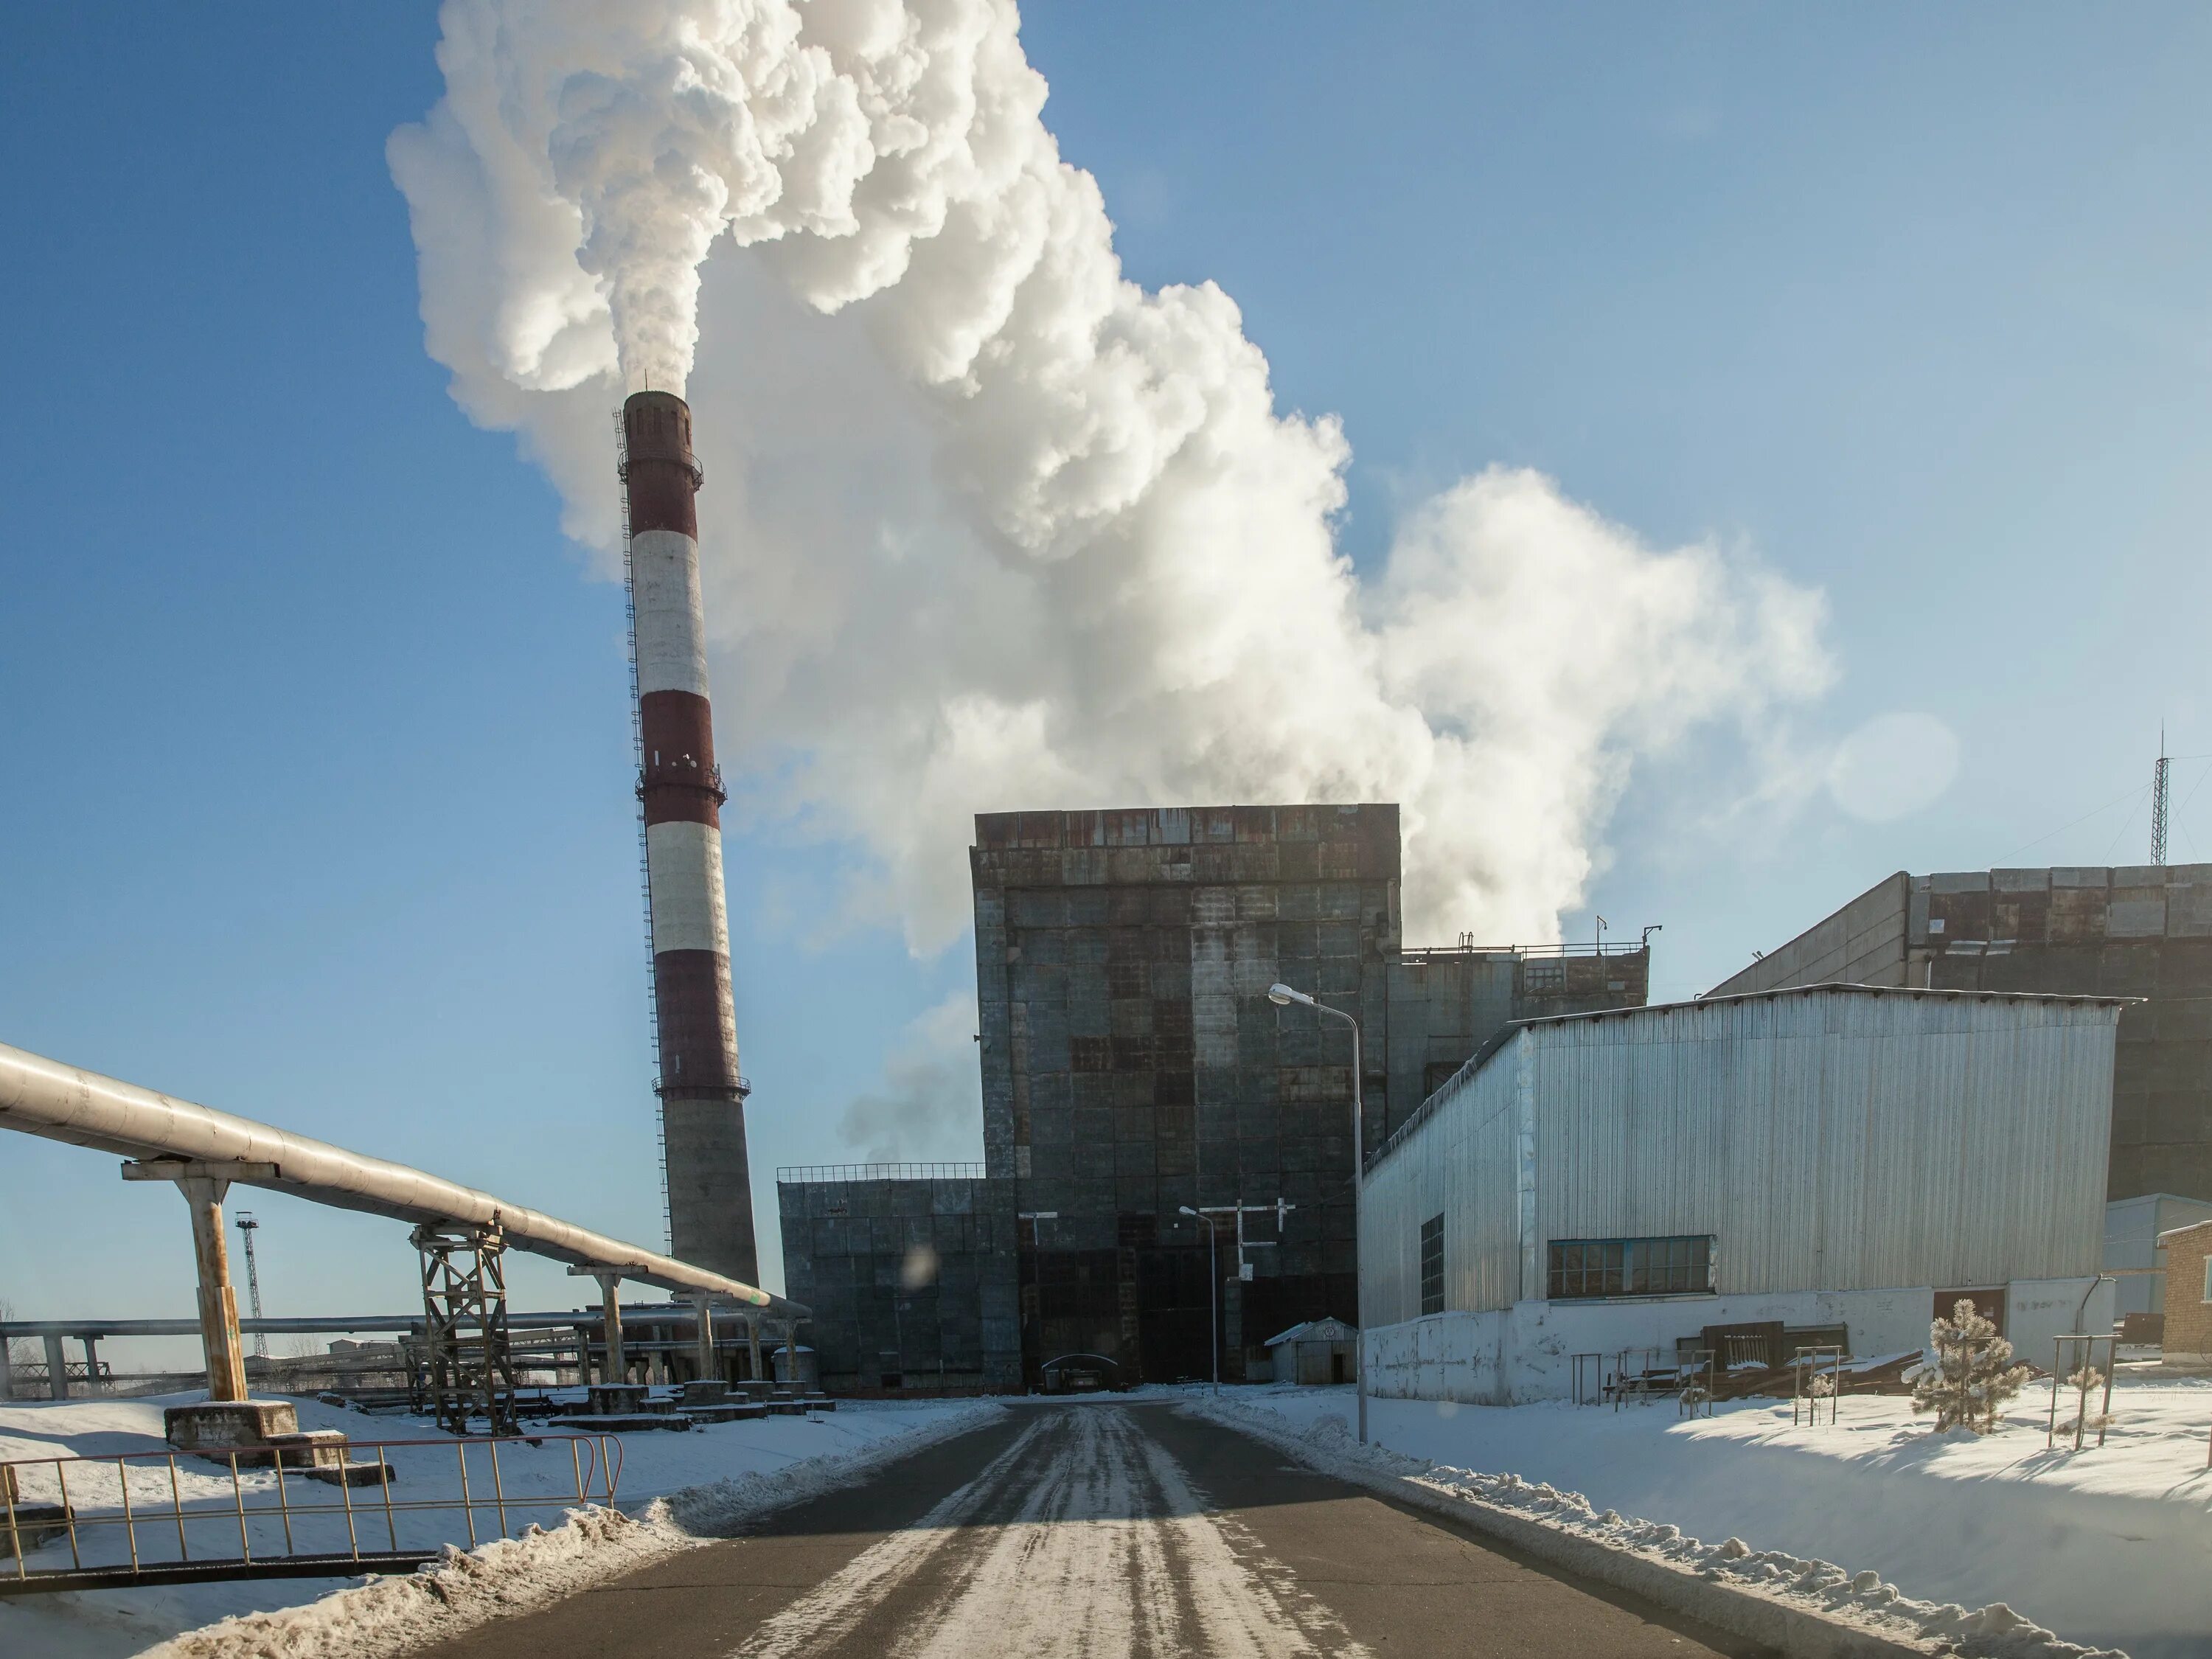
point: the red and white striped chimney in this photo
(710, 1207)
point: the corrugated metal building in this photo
(1834, 1154)
(2136, 931)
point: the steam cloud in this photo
(930, 1106)
(990, 526)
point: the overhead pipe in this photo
(42, 1096)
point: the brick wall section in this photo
(2188, 1315)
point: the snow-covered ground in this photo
(2108, 1547)
(679, 1483)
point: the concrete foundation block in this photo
(35, 1524)
(219, 1427)
(312, 1449)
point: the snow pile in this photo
(677, 1490)
(1864, 1613)
(2106, 1546)
(392, 1615)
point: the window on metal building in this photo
(1583, 1267)
(1432, 1265)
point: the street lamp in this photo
(1212, 1285)
(1282, 996)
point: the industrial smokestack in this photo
(710, 1207)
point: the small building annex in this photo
(1315, 1350)
(1822, 1157)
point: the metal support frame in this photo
(1814, 1361)
(1694, 1379)
(1588, 1375)
(2082, 1346)
(465, 1331)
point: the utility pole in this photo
(249, 1226)
(2158, 795)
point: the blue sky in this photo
(315, 725)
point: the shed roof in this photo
(1316, 1330)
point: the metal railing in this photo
(134, 1518)
(796, 1174)
(1468, 947)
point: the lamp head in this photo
(1185, 1209)
(1282, 996)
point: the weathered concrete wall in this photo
(1443, 1005)
(1132, 1065)
(895, 1265)
(2131, 930)
(1862, 944)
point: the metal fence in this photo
(166, 1517)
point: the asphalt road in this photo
(1088, 1530)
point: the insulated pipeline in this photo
(45, 1097)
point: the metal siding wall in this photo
(1459, 1163)
(1829, 1141)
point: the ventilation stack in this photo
(710, 1209)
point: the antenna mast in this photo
(2158, 793)
(249, 1226)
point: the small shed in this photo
(1318, 1351)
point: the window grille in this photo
(1432, 1265)
(1587, 1268)
(1537, 977)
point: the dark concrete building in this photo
(2134, 930)
(909, 1270)
(1132, 1065)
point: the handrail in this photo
(155, 1540)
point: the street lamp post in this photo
(1282, 996)
(1212, 1285)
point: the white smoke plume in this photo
(988, 525)
(930, 1105)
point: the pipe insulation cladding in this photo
(710, 1207)
(42, 1096)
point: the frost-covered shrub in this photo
(1969, 1376)
(2088, 1386)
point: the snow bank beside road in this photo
(1803, 1609)
(2107, 1547)
(676, 1490)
